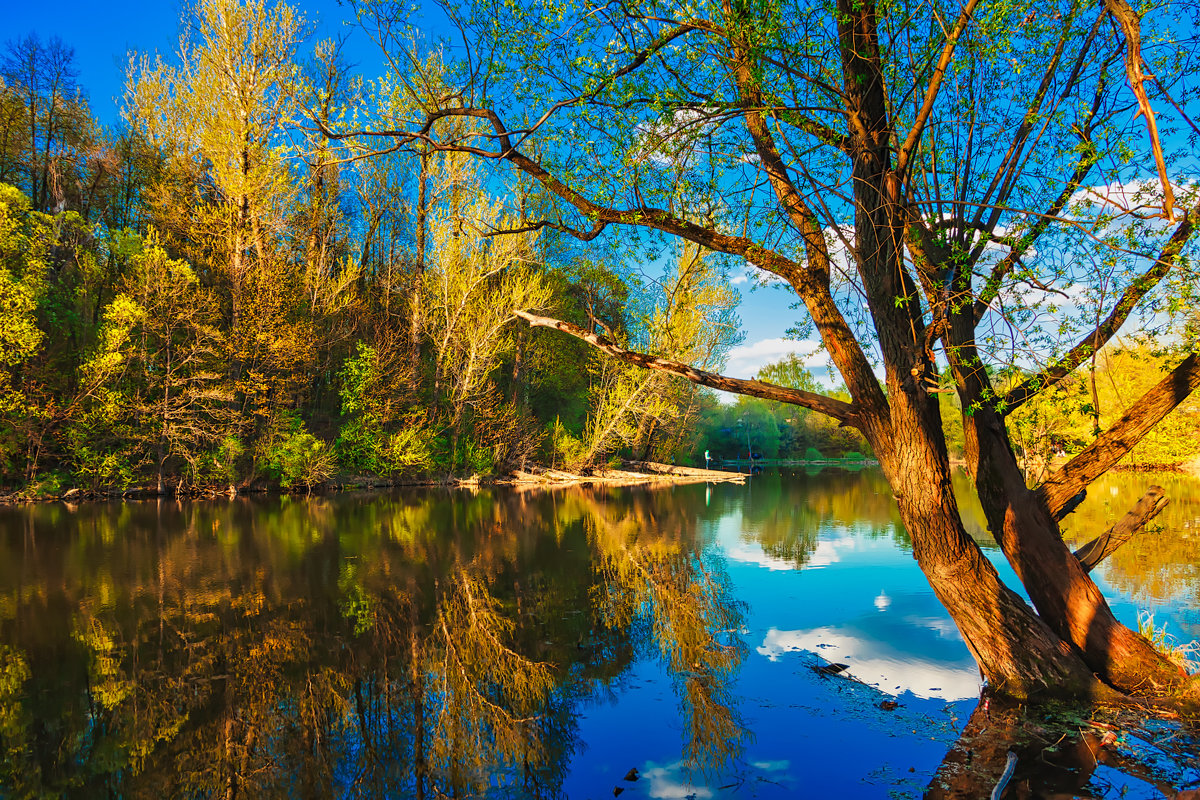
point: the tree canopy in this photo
(941, 185)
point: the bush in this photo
(294, 456)
(359, 446)
(813, 454)
(47, 484)
(363, 446)
(853, 456)
(566, 451)
(408, 448)
(98, 468)
(474, 458)
(220, 465)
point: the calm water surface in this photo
(504, 643)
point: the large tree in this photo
(930, 179)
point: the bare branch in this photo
(935, 85)
(1019, 248)
(1104, 545)
(844, 412)
(1131, 26)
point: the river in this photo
(772, 639)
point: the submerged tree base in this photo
(1011, 750)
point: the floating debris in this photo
(831, 669)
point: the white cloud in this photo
(829, 551)
(758, 277)
(1135, 195)
(671, 782)
(942, 626)
(753, 554)
(910, 672)
(747, 359)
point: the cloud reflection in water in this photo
(904, 649)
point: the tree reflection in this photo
(694, 620)
(785, 513)
(1159, 564)
(422, 645)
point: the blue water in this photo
(142, 643)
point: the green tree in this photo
(848, 133)
(162, 333)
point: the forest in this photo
(215, 294)
(219, 294)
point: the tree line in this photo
(214, 293)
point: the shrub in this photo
(813, 454)
(567, 451)
(359, 446)
(364, 446)
(98, 468)
(408, 448)
(294, 456)
(47, 484)
(221, 464)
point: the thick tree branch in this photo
(1112, 445)
(1104, 545)
(844, 412)
(1116, 318)
(935, 85)
(844, 348)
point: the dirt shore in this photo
(629, 474)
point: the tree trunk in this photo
(1016, 651)
(1060, 588)
(414, 328)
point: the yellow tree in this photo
(470, 292)
(691, 319)
(221, 111)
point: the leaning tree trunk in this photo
(1026, 528)
(1058, 584)
(1016, 651)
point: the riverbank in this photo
(630, 473)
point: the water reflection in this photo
(1005, 752)
(414, 645)
(505, 643)
(1158, 570)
